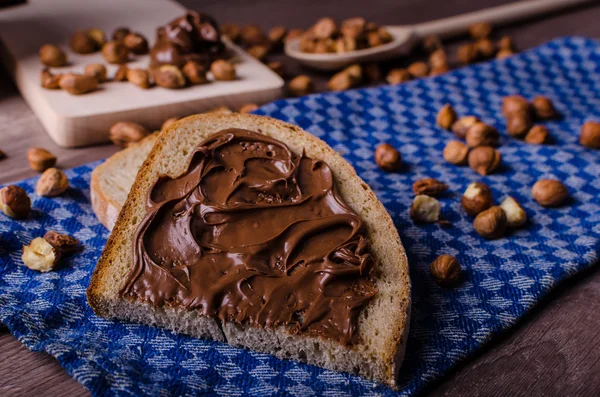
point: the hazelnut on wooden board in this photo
(51, 55)
(124, 133)
(462, 125)
(83, 43)
(466, 54)
(446, 117)
(543, 108)
(49, 80)
(438, 58)
(504, 53)
(121, 73)
(194, 73)
(518, 124)
(138, 77)
(53, 182)
(293, 34)
(115, 52)
(477, 198)
(431, 43)
(456, 153)
(168, 122)
(277, 67)
(223, 70)
(425, 209)
(515, 214)
(169, 76)
(301, 85)
(398, 76)
(514, 104)
(120, 33)
(40, 255)
(136, 43)
(63, 243)
(484, 160)
(248, 108)
(485, 48)
(388, 158)
(418, 69)
(96, 70)
(589, 135)
(480, 30)
(491, 223)
(537, 135)
(549, 192)
(372, 72)
(14, 202)
(77, 84)
(429, 187)
(445, 270)
(252, 35)
(97, 35)
(481, 134)
(40, 159)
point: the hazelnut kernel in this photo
(418, 69)
(484, 160)
(14, 202)
(425, 209)
(53, 182)
(398, 76)
(248, 108)
(514, 104)
(538, 135)
(194, 73)
(223, 70)
(515, 214)
(301, 85)
(477, 198)
(138, 77)
(136, 43)
(429, 187)
(124, 133)
(51, 55)
(40, 159)
(481, 134)
(462, 125)
(169, 76)
(40, 255)
(168, 122)
(82, 43)
(480, 30)
(98, 36)
(97, 71)
(456, 153)
(543, 108)
(77, 84)
(115, 52)
(518, 124)
(590, 135)
(63, 243)
(549, 193)
(491, 223)
(445, 270)
(388, 158)
(446, 117)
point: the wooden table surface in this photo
(555, 351)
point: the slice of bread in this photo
(383, 322)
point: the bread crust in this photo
(383, 325)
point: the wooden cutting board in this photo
(85, 119)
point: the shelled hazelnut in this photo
(124, 133)
(301, 85)
(537, 135)
(425, 209)
(398, 76)
(83, 43)
(515, 214)
(466, 54)
(231, 31)
(518, 123)
(98, 36)
(480, 30)
(491, 223)
(462, 125)
(48, 80)
(63, 243)
(388, 158)
(168, 122)
(51, 55)
(477, 198)
(14, 202)
(484, 160)
(120, 33)
(446, 117)
(456, 153)
(223, 70)
(138, 77)
(418, 69)
(590, 135)
(543, 108)
(481, 134)
(40, 159)
(248, 108)
(515, 104)
(40, 255)
(115, 52)
(96, 70)
(136, 43)
(194, 73)
(77, 84)
(53, 182)
(549, 192)
(277, 67)
(429, 187)
(445, 270)
(252, 35)
(121, 73)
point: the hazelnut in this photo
(323, 46)
(194, 73)
(277, 67)
(124, 133)
(462, 125)
(515, 214)
(63, 243)
(481, 134)
(293, 34)
(418, 69)
(169, 76)
(324, 28)
(387, 157)
(445, 270)
(14, 202)
(259, 51)
(436, 71)
(77, 84)
(491, 223)
(120, 33)
(543, 108)
(341, 81)
(477, 198)
(98, 36)
(139, 77)
(432, 43)
(49, 80)
(82, 43)
(40, 255)
(384, 36)
(538, 135)
(353, 27)
(456, 153)
(480, 30)
(96, 70)
(355, 71)
(514, 104)
(2, 155)
(168, 122)
(466, 54)
(231, 31)
(398, 76)
(429, 187)
(518, 124)
(506, 43)
(446, 117)
(549, 193)
(504, 53)
(223, 70)
(121, 73)
(301, 85)
(53, 182)
(40, 159)
(438, 59)
(485, 48)
(372, 72)
(590, 135)
(115, 52)
(136, 43)
(484, 159)
(252, 35)
(425, 209)
(51, 55)
(248, 108)
(276, 36)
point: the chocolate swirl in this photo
(256, 234)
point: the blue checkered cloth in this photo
(504, 278)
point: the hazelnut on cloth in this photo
(388, 158)
(40, 255)
(14, 202)
(53, 182)
(425, 209)
(484, 160)
(590, 135)
(456, 153)
(477, 198)
(549, 192)
(515, 214)
(446, 117)
(429, 186)
(491, 223)
(445, 270)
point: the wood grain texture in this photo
(554, 351)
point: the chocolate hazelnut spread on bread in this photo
(256, 234)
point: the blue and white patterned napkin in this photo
(504, 278)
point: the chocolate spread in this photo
(192, 37)
(255, 234)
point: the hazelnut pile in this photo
(520, 115)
